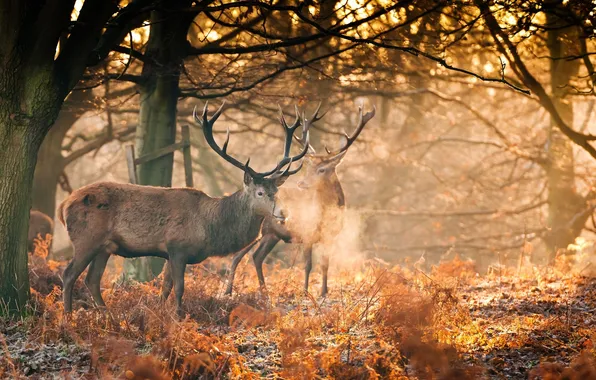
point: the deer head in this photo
(320, 168)
(260, 188)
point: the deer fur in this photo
(40, 225)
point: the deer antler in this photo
(288, 129)
(207, 126)
(289, 133)
(363, 119)
(307, 124)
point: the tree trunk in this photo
(157, 118)
(17, 164)
(565, 205)
(50, 162)
(50, 165)
(33, 86)
(327, 17)
(28, 106)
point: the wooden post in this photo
(132, 165)
(184, 145)
(186, 155)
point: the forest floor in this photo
(377, 322)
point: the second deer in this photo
(315, 210)
(40, 225)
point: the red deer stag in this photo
(315, 210)
(183, 225)
(40, 225)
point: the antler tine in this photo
(286, 159)
(289, 130)
(282, 118)
(362, 120)
(315, 116)
(292, 172)
(300, 140)
(207, 126)
(287, 171)
(307, 124)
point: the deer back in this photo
(144, 219)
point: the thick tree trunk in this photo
(157, 118)
(17, 163)
(28, 106)
(33, 86)
(565, 205)
(50, 162)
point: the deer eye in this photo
(321, 170)
(260, 193)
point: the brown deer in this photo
(40, 225)
(315, 210)
(182, 225)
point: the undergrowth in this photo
(377, 323)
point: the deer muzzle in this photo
(278, 213)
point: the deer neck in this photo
(237, 221)
(332, 194)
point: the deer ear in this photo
(247, 178)
(280, 180)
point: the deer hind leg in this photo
(307, 266)
(80, 261)
(166, 286)
(268, 242)
(94, 274)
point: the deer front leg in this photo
(237, 258)
(268, 242)
(307, 266)
(324, 269)
(177, 267)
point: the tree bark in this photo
(565, 205)
(157, 119)
(28, 106)
(17, 163)
(33, 86)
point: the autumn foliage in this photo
(378, 323)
